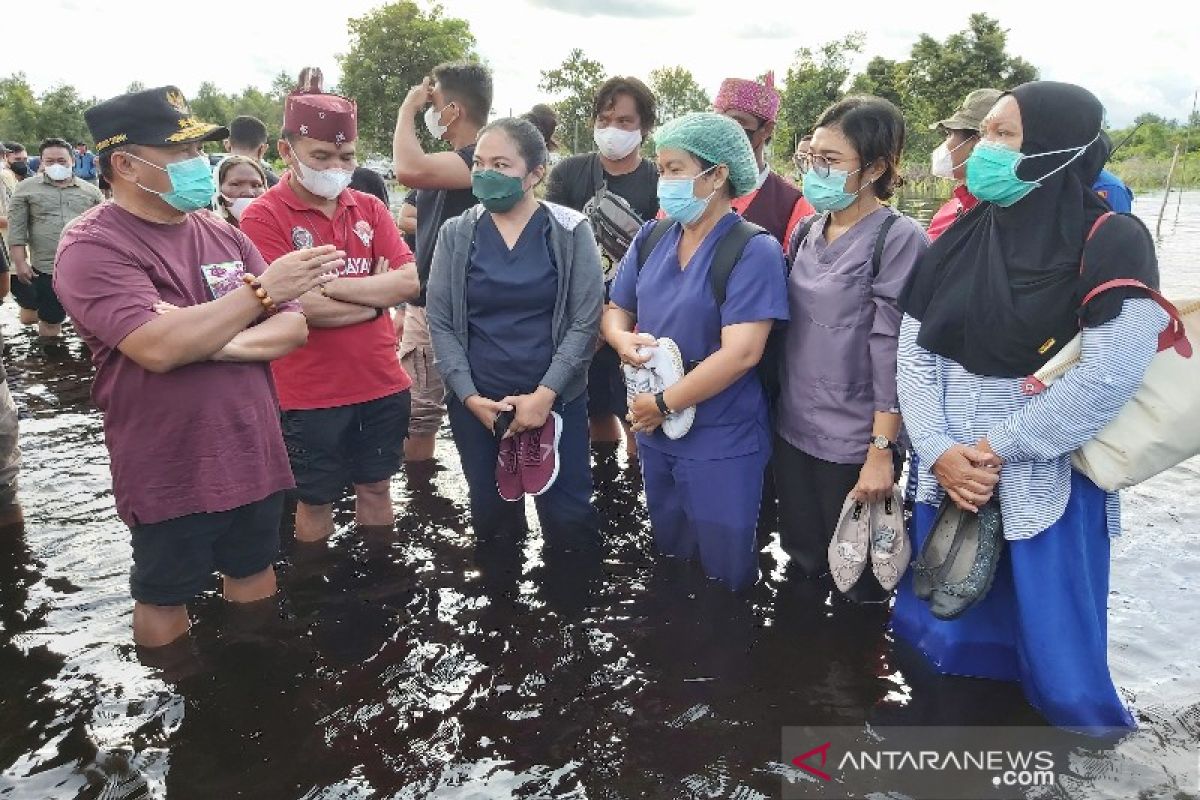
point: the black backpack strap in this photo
(799, 235)
(728, 253)
(598, 182)
(880, 240)
(651, 240)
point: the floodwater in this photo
(410, 665)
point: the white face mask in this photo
(238, 205)
(327, 183)
(615, 143)
(941, 161)
(433, 122)
(58, 172)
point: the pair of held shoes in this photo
(958, 560)
(870, 532)
(528, 461)
(662, 371)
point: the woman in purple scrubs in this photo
(839, 415)
(703, 490)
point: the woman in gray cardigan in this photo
(514, 300)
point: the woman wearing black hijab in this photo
(991, 301)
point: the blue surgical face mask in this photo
(992, 171)
(677, 198)
(829, 193)
(192, 183)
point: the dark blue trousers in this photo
(568, 518)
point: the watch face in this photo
(882, 442)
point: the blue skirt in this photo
(1044, 623)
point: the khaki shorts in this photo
(428, 391)
(10, 447)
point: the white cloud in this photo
(1147, 64)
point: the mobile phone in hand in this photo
(503, 420)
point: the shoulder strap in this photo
(728, 253)
(647, 245)
(880, 241)
(799, 235)
(598, 181)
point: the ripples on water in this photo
(411, 665)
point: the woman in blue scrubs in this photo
(703, 490)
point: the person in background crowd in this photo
(546, 121)
(85, 163)
(17, 160)
(239, 181)
(407, 221)
(775, 204)
(839, 418)
(515, 296)
(1114, 192)
(37, 213)
(8, 182)
(800, 157)
(248, 138)
(455, 102)
(624, 112)
(344, 394)
(961, 132)
(703, 490)
(191, 421)
(995, 297)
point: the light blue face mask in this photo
(829, 193)
(677, 198)
(192, 183)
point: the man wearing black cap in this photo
(181, 315)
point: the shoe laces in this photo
(510, 463)
(532, 439)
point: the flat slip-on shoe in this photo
(936, 548)
(891, 549)
(969, 575)
(849, 545)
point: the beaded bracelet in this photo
(260, 293)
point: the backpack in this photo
(876, 255)
(614, 221)
(728, 254)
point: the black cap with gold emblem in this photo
(154, 117)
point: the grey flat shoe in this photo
(890, 547)
(971, 569)
(848, 548)
(936, 549)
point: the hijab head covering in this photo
(1000, 291)
(718, 140)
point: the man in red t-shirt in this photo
(344, 395)
(155, 285)
(949, 160)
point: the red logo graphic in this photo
(824, 751)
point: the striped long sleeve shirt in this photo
(943, 404)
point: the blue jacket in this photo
(1114, 192)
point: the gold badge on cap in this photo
(177, 102)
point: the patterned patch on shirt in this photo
(364, 231)
(301, 238)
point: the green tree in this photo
(815, 80)
(18, 110)
(60, 113)
(575, 81)
(391, 49)
(884, 78)
(677, 92)
(211, 104)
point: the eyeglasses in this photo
(820, 165)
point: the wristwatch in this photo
(661, 402)
(881, 442)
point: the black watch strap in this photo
(662, 404)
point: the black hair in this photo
(528, 139)
(81, 144)
(545, 120)
(876, 129)
(248, 132)
(468, 84)
(14, 147)
(105, 161)
(54, 141)
(643, 98)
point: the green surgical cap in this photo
(718, 140)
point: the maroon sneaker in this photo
(539, 455)
(508, 470)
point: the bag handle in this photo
(1173, 336)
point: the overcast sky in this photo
(1135, 57)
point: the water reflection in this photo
(411, 663)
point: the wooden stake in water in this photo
(1167, 192)
(1187, 139)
